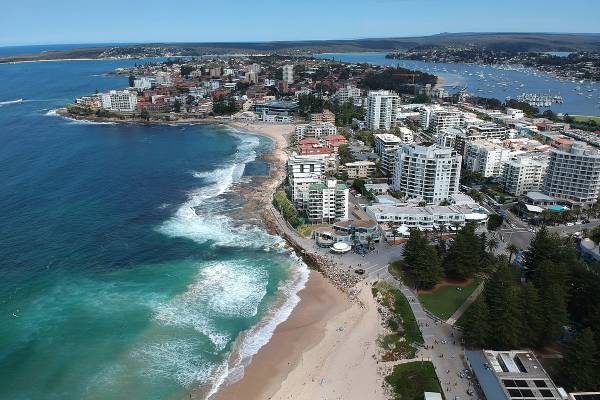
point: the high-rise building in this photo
(523, 174)
(327, 201)
(382, 109)
(386, 145)
(302, 172)
(119, 100)
(574, 174)
(427, 172)
(436, 119)
(288, 73)
(347, 94)
(485, 158)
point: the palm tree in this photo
(492, 244)
(369, 239)
(512, 250)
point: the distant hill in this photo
(497, 41)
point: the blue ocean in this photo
(127, 267)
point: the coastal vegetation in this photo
(553, 301)
(397, 79)
(287, 209)
(410, 380)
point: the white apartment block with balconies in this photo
(485, 158)
(523, 174)
(288, 73)
(119, 100)
(327, 202)
(382, 107)
(573, 175)
(386, 146)
(348, 93)
(302, 172)
(427, 172)
(435, 119)
(315, 131)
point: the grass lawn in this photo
(409, 381)
(395, 301)
(444, 301)
(585, 118)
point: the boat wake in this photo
(6, 103)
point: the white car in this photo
(570, 224)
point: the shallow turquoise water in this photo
(122, 271)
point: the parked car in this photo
(359, 271)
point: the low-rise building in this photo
(428, 217)
(359, 169)
(314, 130)
(349, 232)
(508, 375)
(326, 117)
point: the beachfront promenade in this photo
(443, 343)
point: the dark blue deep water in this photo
(123, 271)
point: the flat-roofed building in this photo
(327, 201)
(573, 175)
(119, 100)
(304, 170)
(382, 108)
(523, 174)
(314, 130)
(386, 146)
(359, 169)
(326, 117)
(427, 172)
(511, 375)
(485, 158)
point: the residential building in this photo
(326, 117)
(508, 375)
(348, 93)
(439, 119)
(360, 169)
(514, 113)
(302, 172)
(314, 130)
(478, 132)
(119, 100)
(523, 174)
(574, 175)
(427, 172)
(405, 134)
(485, 158)
(288, 73)
(143, 83)
(382, 107)
(327, 201)
(386, 145)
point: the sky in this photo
(25, 22)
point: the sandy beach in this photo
(324, 350)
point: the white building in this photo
(382, 107)
(288, 73)
(514, 113)
(427, 172)
(405, 134)
(315, 130)
(523, 174)
(436, 119)
(143, 82)
(302, 172)
(386, 145)
(574, 175)
(119, 100)
(359, 169)
(327, 202)
(486, 158)
(427, 218)
(348, 93)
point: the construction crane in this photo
(408, 75)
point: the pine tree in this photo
(476, 326)
(464, 255)
(427, 269)
(580, 366)
(553, 312)
(531, 327)
(501, 297)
